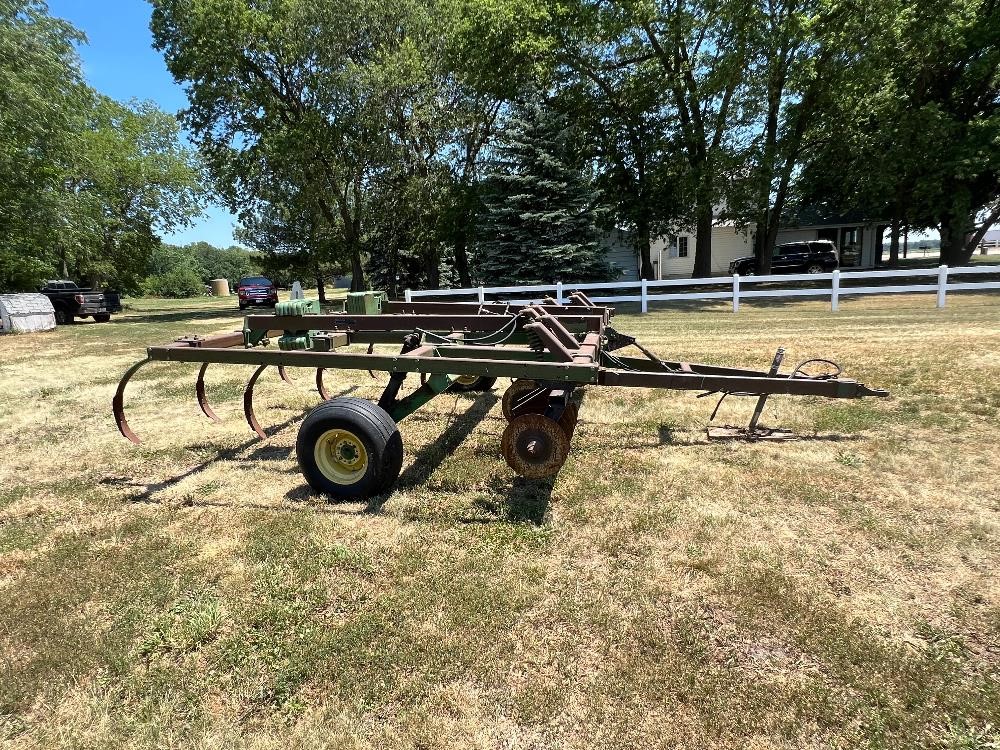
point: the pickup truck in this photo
(71, 302)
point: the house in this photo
(859, 241)
(990, 242)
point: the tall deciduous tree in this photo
(609, 85)
(335, 100)
(914, 135)
(41, 97)
(85, 182)
(703, 49)
(803, 55)
(131, 178)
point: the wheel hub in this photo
(341, 456)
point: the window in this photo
(793, 249)
(682, 247)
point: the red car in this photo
(256, 290)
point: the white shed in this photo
(26, 313)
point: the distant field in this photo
(839, 591)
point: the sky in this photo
(119, 60)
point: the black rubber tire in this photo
(102, 318)
(376, 430)
(482, 383)
(243, 307)
(815, 268)
(63, 318)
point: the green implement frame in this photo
(549, 350)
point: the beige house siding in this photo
(728, 243)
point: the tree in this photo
(703, 51)
(611, 89)
(231, 263)
(914, 136)
(541, 214)
(41, 96)
(85, 182)
(130, 179)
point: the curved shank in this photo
(248, 403)
(320, 386)
(118, 403)
(199, 389)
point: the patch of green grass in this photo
(852, 417)
(21, 535)
(77, 608)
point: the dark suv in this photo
(815, 256)
(256, 290)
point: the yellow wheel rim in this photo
(466, 379)
(341, 456)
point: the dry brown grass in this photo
(839, 591)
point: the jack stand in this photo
(753, 431)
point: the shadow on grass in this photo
(229, 454)
(263, 452)
(180, 316)
(432, 455)
(524, 501)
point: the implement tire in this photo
(349, 448)
(469, 383)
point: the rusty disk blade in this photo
(320, 386)
(284, 374)
(248, 403)
(118, 403)
(199, 389)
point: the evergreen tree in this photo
(541, 213)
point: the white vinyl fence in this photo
(841, 283)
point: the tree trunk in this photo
(703, 240)
(462, 259)
(433, 272)
(357, 270)
(955, 250)
(320, 286)
(894, 243)
(770, 239)
(642, 245)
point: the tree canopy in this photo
(85, 182)
(377, 138)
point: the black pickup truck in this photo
(71, 302)
(815, 256)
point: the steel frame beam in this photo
(407, 323)
(483, 365)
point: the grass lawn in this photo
(839, 591)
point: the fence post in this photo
(482, 295)
(942, 289)
(736, 292)
(644, 297)
(407, 296)
(559, 297)
(835, 291)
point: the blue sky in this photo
(119, 61)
